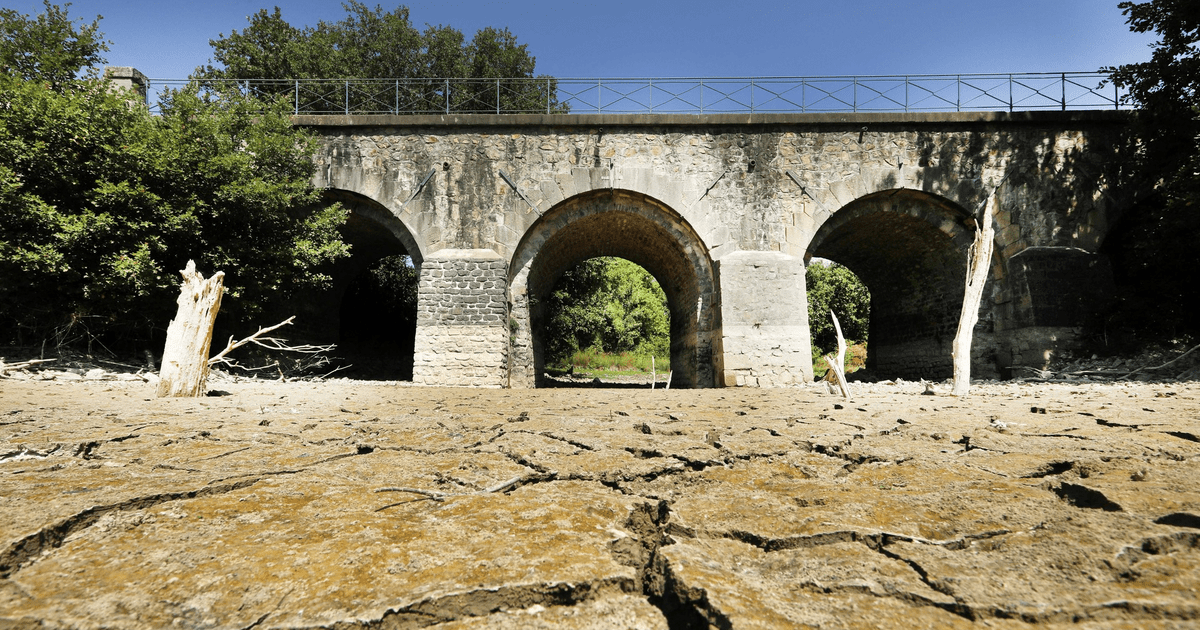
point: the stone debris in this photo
(353, 505)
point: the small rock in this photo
(94, 373)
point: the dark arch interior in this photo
(626, 231)
(910, 250)
(366, 311)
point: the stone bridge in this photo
(725, 211)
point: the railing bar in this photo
(1031, 91)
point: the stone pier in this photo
(462, 320)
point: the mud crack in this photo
(683, 607)
(1085, 497)
(25, 551)
(485, 601)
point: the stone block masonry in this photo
(749, 199)
(462, 320)
(764, 314)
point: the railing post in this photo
(446, 93)
(1116, 96)
(1064, 91)
(854, 98)
(547, 97)
(701, 96)
(1010, 93)
(803, 96)
(497, 95)
(751, 96)
(958, 93)
(297, 97)
(906, 93)
(396, 98)
(651, 100)
(599, 92)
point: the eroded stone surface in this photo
(346, 505)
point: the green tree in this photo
(1153, 246)
(103, 203)
(609, 305)
(834, 287)
(48, 47)
(370, 43)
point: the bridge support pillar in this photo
(764, 340)
(462, 320)
(1052, 293)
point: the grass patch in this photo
(612, 364)
(856, 359)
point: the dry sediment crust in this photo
(356, 505)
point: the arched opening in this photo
(625, 225)
(369, 310)
(606, 321)
(378, 319)
(909, 248)
(832, 287)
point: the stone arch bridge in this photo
(726, 211)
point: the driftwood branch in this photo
(1165, 365)
(270, 343)
(839, 366)
(442, 496)
(8, 367)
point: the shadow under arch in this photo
(910, 249)
(354, 321)
(627, 225)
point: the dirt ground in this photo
(349, 504)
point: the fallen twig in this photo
(5, 367)
(1159, 367)
(442, 496)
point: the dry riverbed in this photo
(350, 504)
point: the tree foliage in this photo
(48, 47)
(370, 43)
(1153, 244)
(609, 305)
(104, 203)
(834, 287)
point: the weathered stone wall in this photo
(764, 321)
(462, 320)
(743, 184)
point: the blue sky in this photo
(700, 38)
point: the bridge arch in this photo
(343, 313)
(629, 225)
(909, 247)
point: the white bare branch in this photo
(270, 343)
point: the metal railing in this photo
(759, 95)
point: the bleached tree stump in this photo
(978, 263)
(184, 370)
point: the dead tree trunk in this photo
(184, 370)
(978, 264)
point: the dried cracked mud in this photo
(361, 505)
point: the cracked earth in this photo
(361, 505)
